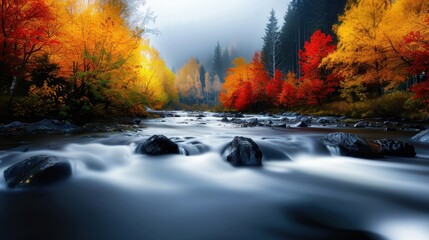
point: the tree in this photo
(288, 96)
(301, 19)
(217, 87)
(321, 81)
(259, 80)
(274, 87)
(415, 48)
(270, 49)
(245, 85)
(208, 89)
(235, 79)
(23, 34)
(361, 58)
(188, 83)
(421, 92)
(217, 64)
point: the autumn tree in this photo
(235, 79)
(416, 49)
(189, 84)
(23, 34)
(259, 81)
(318, 82)
(274, 87)
(288, 96)
(361, 58)
(245, 85)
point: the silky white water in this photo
(301, 192)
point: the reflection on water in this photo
(301, 192)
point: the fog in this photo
(191, 28)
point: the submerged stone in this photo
(37, 171)
(158, 145)
(243, 151)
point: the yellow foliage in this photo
(369, 36)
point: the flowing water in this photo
(301, 192)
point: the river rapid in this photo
(303, 191)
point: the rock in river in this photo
(158, 145)
(37, 171)
(396, 148)
(352, 145)
(243, 151)
(422, 137)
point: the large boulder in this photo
(243, 151)
(352, 145)
(422, 137)
(396, 148)
(158, 145)
(37, 171)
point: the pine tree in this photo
(217, 62)
(270, 50)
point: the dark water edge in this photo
(301, 192)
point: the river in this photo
(301, 192)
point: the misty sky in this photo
(191, 28)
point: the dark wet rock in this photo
(324, 121)
(47, 125)
(44, 126)
(253, 122)
(243, 151)
(352, 145)
(422, 137)
(37, 171)
(224, 119)
(137, 121)
(390, 129)
(158, 145)
(396, 148)
(300, 125)
(16, 124)
(229, 115)
(361, 124)
(237, 121)
(278, 125)
(305, 119)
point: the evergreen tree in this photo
(202, 75)
(217, 62)
(270, 50)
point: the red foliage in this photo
(259, 79)
(317, 82)
(421, 91)
(245, 97)
(23, 31)
(274, 87)
(288, 96)
(416, 48)
(312, 91)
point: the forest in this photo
(372, 62)
(80, 59)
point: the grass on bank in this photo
(392, 105)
